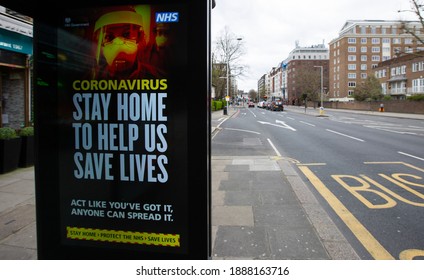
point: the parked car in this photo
(261, 104)
(268, 105)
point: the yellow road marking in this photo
(311, 164)
(397, 162)
(371, 244)
(411, 254)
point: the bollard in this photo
(321, 111)
(225, 110)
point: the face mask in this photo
(120, 54)
(161, 40)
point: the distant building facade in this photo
(361, 46)
(303, 59)
(283, 80)
(402, 76)
(15, 69)
(262, 87)
(275, 82)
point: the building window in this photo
(364, 49)
(363, 76)
(363, 40)
(351, 58)
(363, 67)
(350, 92)
(351, 49)
(363, 58)
(384, 88)
(375, 49)
(418, 85)
(417, 66)
(396, 40)
(375, 58)
(351, 75)
(351, 40)
(386, 50)
(351, 84)
(408, 41)
(384, 71)
(399, 70)
(351, 66)
(394, 30)
(375, 40)
(386, 40)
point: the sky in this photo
(270, 28)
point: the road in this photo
(366, 170)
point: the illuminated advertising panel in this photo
(122, 128)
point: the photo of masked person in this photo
(121, 47)
(161, 53)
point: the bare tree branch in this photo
(230, 49)
(417, 9)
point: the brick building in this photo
(402, 76)
(275, 82)
(303, 60)
(361, 46)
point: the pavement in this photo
(17, 215)
(261, 209)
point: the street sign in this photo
(115, 135)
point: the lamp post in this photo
(322, 87)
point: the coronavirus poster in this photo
(122, 109)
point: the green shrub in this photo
(26, 131)
(216, 105)
(417, 97)
(8, 133)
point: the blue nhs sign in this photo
(167, 17)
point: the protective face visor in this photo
(118, 35)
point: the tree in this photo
(253, 94)
(417, 9)
(369, 90)
(309, 80)
(228, 51)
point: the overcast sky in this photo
(269, 28)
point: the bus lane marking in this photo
(411, 254)
(370, 243)
(404, 187)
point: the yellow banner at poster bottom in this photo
(120, 236)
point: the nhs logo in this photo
(167, 17)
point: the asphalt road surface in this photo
(367, 171)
